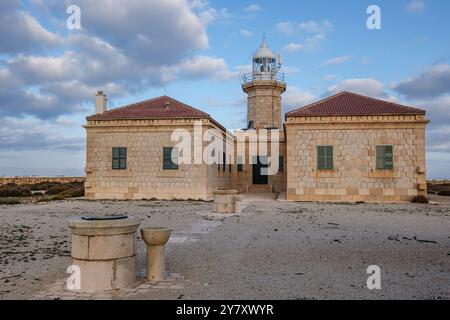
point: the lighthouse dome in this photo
(264, 52)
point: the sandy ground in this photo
(274, 250)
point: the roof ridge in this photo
(346, 102)
(133, 104)
(186, 105)
(384, 101)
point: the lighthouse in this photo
(264, 87)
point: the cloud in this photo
(286, 27)
(315, 31)
(295, 97)
(368, 87)
(246, 33)
(141, 28)
(432, 82)
(21, 32)
(336, 61)
(115, 51)
(252, 8)
(35, 134)
(415, 6)
(293, 47)
(200, 67)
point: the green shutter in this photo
(168, 162)
(329, 157)
(320, 158)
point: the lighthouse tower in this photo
(264, 86)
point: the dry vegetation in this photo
(12, 193)
(440, 188)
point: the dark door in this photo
(258, 177)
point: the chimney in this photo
(101, 102)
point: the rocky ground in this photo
(274, 250)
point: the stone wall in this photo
(144, 177)
(264, 103)
(35, 180)
(243, 181)
(355, 176)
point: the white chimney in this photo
(101, 102)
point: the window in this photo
(119, 158)
(325, 157)
(385, 157)
(240, 166)
(280, 164)
(168, 162)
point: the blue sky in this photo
(194, 51)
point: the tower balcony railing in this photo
(254, 76)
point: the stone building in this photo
(346, 147)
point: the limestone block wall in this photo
(243, 181)
(355, 176)
(264, 103)
(144, 177)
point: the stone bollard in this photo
(223, 201)
(237, 203)
(156, 239)
(104, 250)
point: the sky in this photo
(195, 51)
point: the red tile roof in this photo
(347, 103)
(157, 108)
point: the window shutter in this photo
(329, 157)
(168, 164)
(320, 157)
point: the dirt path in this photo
(274, 250)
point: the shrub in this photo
(57, 189)
(10, 201)
(73, 193)
(14, 191)
(420, 199)
(444, 193)
(43, 186)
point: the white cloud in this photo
(246, 33)
(415, 6)
(316, 33)
(368, 87)
(293, 47)
(286, 27)
(252, 8)
(336, 61)
(200, 67)
(295, 97)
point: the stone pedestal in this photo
(237, 202)
(105, 252)
(223, 201)
(156, 239)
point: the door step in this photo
(255, 188)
